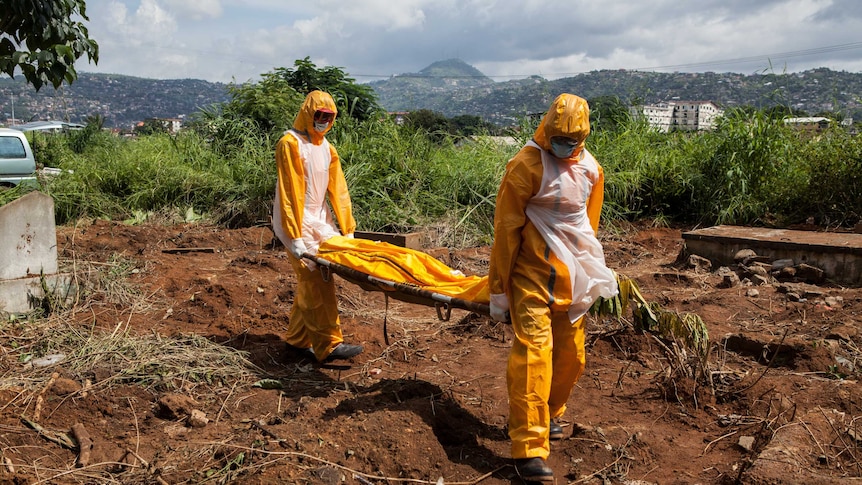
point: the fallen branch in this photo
(61, 439)
(85, 444)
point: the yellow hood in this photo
(304, 122)
(569, 116)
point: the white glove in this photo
(349, 236)
(297, 248)
(499, 307)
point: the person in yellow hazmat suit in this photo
(547, 268)
(309, 173)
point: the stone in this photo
(198, 419)
(63, 387)
(759, 280)
(744, 255)
(729, 279)
(176, 406)
(834, 301)
(811, 274)
(699, 264)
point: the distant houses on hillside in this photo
(808, 124)
(680, 115)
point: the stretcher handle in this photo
(472, 306)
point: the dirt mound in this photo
(191, 381)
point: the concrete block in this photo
(411, 240)
(28, 253)
(839, 255)
(28, 237)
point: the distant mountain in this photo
(467, 91)
(451, 87)
(439, 84)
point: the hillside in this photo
(121, 100)
(451, 87)
(814, 91)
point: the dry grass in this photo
(34, 347)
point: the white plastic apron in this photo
(559, 212)
(317, 222)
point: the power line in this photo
(764, 57)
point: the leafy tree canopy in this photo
(151, 126)
(40, 38)
(467, 125)
(607, 113)
(271, 104)
(433, 123)
(355, 100)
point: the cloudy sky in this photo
(237, 40)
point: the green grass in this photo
(751, 170)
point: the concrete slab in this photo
(839, 255)
(23, 295)
(28, 237)
(28, 250)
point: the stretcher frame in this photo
(405, 292)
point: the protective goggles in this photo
(321, 116)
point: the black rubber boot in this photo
(344, 351)
(306, 353)
(556, 431)
(534, 470)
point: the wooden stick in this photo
(85, 444)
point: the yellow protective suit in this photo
(309, 172)
(547, 267)
(404, 265)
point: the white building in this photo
(681, 115)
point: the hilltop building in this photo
(680, 115)
(808, 124)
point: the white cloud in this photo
(195, 10)
(149, 21)
(240, 39)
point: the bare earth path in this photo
(781, 402)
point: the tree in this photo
(354, 100)
(607, 113)
(436, 125)
(151, 126)
(271, 104)
(42, 40)
(468, 125)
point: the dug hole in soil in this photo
(777, 401)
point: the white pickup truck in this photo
(17, 164)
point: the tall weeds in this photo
(751, 170)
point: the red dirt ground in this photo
(784, 403)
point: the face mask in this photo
(562, 148)
(320, 127)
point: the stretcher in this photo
(403, 274)
(416, 277)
